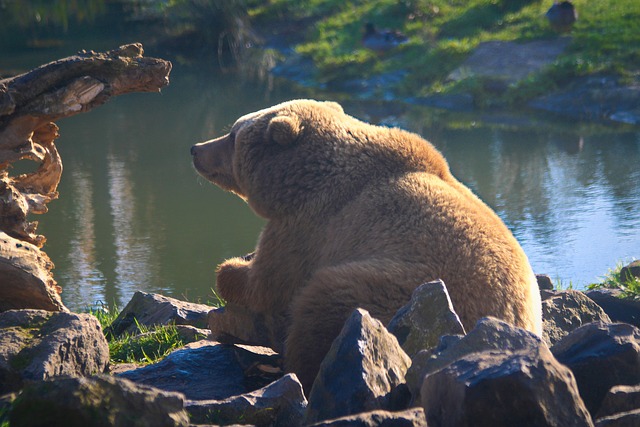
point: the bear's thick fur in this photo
(358, 216)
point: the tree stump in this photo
(29, 105)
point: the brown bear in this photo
(357, 216)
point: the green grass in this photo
(150, 345)
(442, 33)
(630, 286)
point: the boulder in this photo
(27, 281)
(281, 403)
(621, 398)
(38, 345)
(564, 311)
(488, 334)
(618, 308)
(413, 417)
(601, 355)
(544, 282)
(152, 309)
(624, 419)
(99, 401)
(630, 271)
(209, 370)
(235, 323)
(361, 372)
(428, 315)
(497, 388)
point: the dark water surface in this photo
(133, 215)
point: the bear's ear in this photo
(284, 129)
(334, 105)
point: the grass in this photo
(150, 345)
(442, 33)
(630, 286)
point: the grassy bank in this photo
(442, 33)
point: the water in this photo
(133, 214)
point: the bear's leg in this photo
(232, 277)
(320, 310)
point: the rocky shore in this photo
(421, 369)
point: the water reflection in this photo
(83, 278)
(133, 252)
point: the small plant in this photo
(105, 314)
(630, 285)
(150, 345)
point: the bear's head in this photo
(310, 155)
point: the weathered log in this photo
(31, 102)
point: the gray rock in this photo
(153, 309)
(510, 61)
(413, 417)
(428, 315)
(621, 398)
(361, 372)
(489, 334)
(594, 98)
(630, 271)
(618, 308)
(497, 388)
(601, 356)
(237, 324)
(624, 419)
(38, 345)
(100, 401)
(544, 282)
(564, 311)
(281, 403)
(208, 370)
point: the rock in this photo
(621, 398)
(38, 345)
(564, 311)
(413, 417)
(153, 309)
(428, 315)
(544, 282)
(26, 279)
(625, 419)
(100, 401)
(489, 334)
(601, 356)
(619, 309)
(189, 334)
(361, 372)
(281, 403)
(630, 271)
(206, 370)
(496, 388)
(510, 61)
(236, 324)
(594, 98)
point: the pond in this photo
(134, 215)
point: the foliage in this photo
(630, 286)
(30, 13)
(442, 33)
(149, 345)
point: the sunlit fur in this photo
(357, 216)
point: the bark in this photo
(29, 105)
